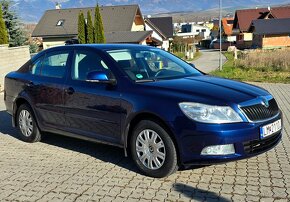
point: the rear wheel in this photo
(26, 124)
(153, 150)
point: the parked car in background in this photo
(165, 112)
(215, 44)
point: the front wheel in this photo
(153, 150)
(26, 124)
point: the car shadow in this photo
(197, 194)
(102, 152)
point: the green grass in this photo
(179, 54)
(196, 56)
(250, 74)
(182, 56)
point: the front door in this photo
(91, 109)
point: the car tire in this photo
(153, 150)
(26, 124)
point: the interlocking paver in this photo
(65, 169)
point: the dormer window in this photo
(60, 23)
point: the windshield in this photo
(151, 64)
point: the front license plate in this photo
(270, 129)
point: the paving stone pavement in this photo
(65, 169)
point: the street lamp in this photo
(220, 25)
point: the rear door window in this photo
(55, 64)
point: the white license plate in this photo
(270, 129)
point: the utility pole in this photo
(220, 25)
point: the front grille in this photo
(257, 146)
(260, 112)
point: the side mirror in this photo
(99, 77)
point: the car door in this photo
(47, 88)
(92, 109)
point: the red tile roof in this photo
(244, 18)
(228, 26)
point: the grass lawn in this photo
(182, 56)
(250, 74)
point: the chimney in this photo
(269, 8)
(57, 6)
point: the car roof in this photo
(101, 46)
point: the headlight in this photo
(209, 113)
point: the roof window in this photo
(60, 23)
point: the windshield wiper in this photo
(145, 80)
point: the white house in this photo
(162, 28)
(189, 30)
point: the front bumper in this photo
(192, 137)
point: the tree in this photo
(90, 28)
(99, 28)
(81, 29)
(3, 30)
(17, 35)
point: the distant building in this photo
(192, 30)
(271, 33)
(122, 24)
(227, 30)
(244, 18)
(162, 28)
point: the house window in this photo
(60, 23)
(197, 30)
(203, 30)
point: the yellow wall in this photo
(136, 27)
(248, 36)
(209, 25)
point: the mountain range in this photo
(32, 10)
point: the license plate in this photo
(270, 129)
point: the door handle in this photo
(69, 90)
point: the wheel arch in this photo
(151, 117)
(17, 103)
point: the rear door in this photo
(47, 87)
(92, 109)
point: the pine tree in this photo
(81, 29)
(3, 30)
(16, 33)
(99, 28)
(90, 28)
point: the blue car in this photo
(158, 108)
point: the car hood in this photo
(212, 90)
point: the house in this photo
(162, 28)
(193, 30)
(227, 30)
(271, 33)
(122, 24)
(244, 18)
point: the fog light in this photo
(219, 150)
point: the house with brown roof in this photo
(271, 33)
(162, 28)
(122, 24)
(244, 18)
